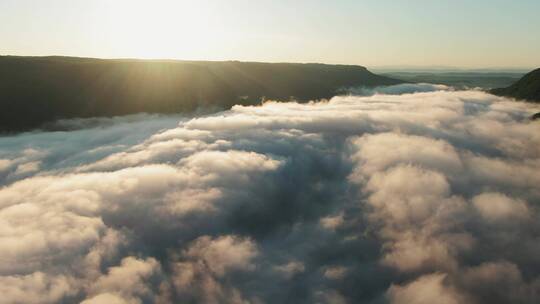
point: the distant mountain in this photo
(460, 80)
(36, 90)
(527, 88)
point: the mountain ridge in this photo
(527, 88)
(38, 90)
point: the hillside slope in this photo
(527, 88)
(36, 90)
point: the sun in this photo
(163, 29)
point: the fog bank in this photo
(430, 196)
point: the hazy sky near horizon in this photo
(374, 33)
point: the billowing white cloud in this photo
(201, 270)
(429, 196)
(426, 289)
(106, 298)
(290, 269)
(128, 282)
(335, 273)
(223, 254)
(332, 221)
(37, 287)
(496, 207)
(4, 164)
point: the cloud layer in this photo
(428, 196)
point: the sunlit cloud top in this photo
(427, 197)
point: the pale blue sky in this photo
(459, 33)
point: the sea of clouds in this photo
(431, 196)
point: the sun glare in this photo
(162, 29)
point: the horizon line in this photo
(371, 67)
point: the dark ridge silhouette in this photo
(37, 90)
(527, 88)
